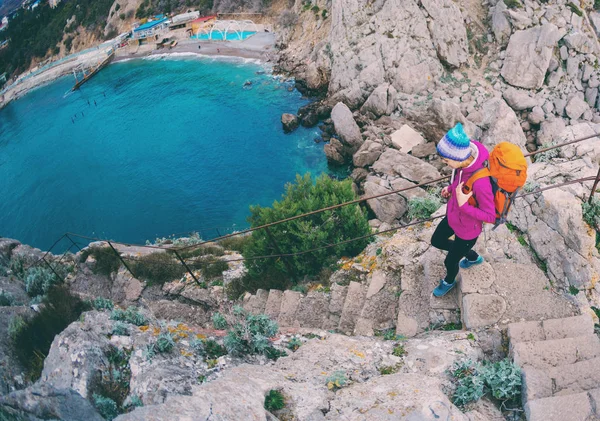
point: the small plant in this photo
(15, 326)
(213, 349)
(214, 269)
(219, 321)
(197, 345)
(250, 334)
(133, 401)
(211, 363)
(573, 290)
(531, 186)
(274, 354)
(471, 337)
(107, 261)
(120, 329)
(102, 304)
(389, 369)
(521, 240)
(300, 288)
(548, 155)
(513, 4)
(158, 268)
(106, 407)
(575, 9)
(274, 400)
(316, 9)
(164, 343)
(423, 207)
(131, 315)
(38, 280)
(399, 351)
(6, 299)
(217, 283)
(591, 212)
(336, 381)
(294, 344)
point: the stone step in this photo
(353, 305)
(290, 301)
(255, 304)
(577, 407)
(556, 352)
(273, 306)
(568, 327)
(478, 278)
(562, 380)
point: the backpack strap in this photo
(482, 173)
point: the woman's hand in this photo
(462, 198)
(446, 193)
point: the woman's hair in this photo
(467, 162)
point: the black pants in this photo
(457, 248)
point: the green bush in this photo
(502, 380)
(336, 381)
(219, 321)
(328, 227)
(38, 280)
(131, 315)
(294, 344)
(273, 353)
(111, 382)
(133, 402)
(548, 155)
(214, 269)
(6, 299)
(197, 345)
(596, 4)
(106, 407)
(236, 243)
(591, 212)
(213, 350)
(423, 207)
(101, 303)
(158, 268)
(250, 333)
(513, 4)
(399, 351)
(16, 324)
(33, 337)
(120, 329)
(164, 344)
(203, 250)
(274, 400)
(106, 259)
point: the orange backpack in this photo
(507, 169)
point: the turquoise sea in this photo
(165, 146)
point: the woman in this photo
(463, 219)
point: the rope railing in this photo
(194, 262)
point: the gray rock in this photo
(564, 52)
(368, 153)
(548, 107)
(435, 120)
(387, 208)
(480, 310)
(43, 401)
(550, 131)
(406, 138)
(352, 307)
(335, 152)
(536, 116)
(595, 20)
(553, 64)
(382, 101)
(502, 124)
(573, 66)
(587, 72)
(447, 31)
(590, 96)
(424, 150)
(500, 25)
(519, 100)
(393, 162)
(528, 56)
(289, 122)
(555, 77)
(518, 20)
(580, 42)
(559, 105)
(273, 305)
(576, 107)
(345, 126)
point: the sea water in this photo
(149, 148)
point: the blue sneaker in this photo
(443, 288)
(466, 263)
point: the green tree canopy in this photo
(329, 227)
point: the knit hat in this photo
(455, 144)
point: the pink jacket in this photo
(467, 221)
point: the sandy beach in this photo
(259, 46)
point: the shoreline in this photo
(259, 47)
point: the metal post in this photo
(285, 261)
(186, 267)
(52, 269)
(594, 187)
(121, 259)
(74, 243)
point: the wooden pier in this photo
(89, 70)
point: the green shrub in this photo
(399, 351)
(6, 299)
(214, 269)
(133, 402)
(513, 4)
(120, 329)
(531, 186)
(112, 380)
(219, 321)
(294, 344)
(336, 381)
(213, 349)
(203, 250)
(575, 9)
(501, 379)
(197, 345)
(131, 315)
(106, 259)
(158, 268)
(274, 400)
(16, 324)
(236, 243)
(101, 303)
(274, 354)
(423, 207)
(596, 4)
(38, 280)
(329, 227)
(300, 288)
(164, 343)
(250, 333)
(548, 155)
(591, 212)
(33, 337)
(106, 407)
